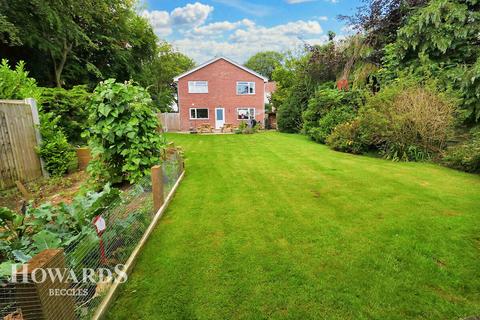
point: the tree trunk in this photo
(58, 67)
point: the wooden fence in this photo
(19, 136)
(170, 121)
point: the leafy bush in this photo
(346, 137)
(71, 107)
(57, 154)
(245, 129)
(289, 116)
(328, 108)
(407, 124)
(328, 123)
(123, 132)
(465, 156)
(15, 84)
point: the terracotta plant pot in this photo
(84, 156)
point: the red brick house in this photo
(219, 92)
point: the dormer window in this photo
(245, 88)
(197, 86)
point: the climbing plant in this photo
(123, 132)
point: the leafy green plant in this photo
(289, 115)
(465, 156)
(328, 108)
(243, 128)
(407, 123)
(47, 226)
(442, 37)
(123, 132)
(16, 84)
(55, 150)
(71, 108)
(346, 137)
(328, 123)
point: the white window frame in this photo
(250, 84)
(190, 114)
(193, 86)
(249, 109)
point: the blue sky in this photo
(237, 29)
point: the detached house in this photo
(220, 92)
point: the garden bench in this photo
(205, 128)
(228, 126)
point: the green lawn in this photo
(275, 226)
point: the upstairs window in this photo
(245, 113)
(198, 113)
(245, 88)
(197, 86)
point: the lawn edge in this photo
(113, 291)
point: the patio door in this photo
(219, 117)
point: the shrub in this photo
(15, 84)
(71, 107)
(465, 156)
(407, 124)
(123, 132)
(346, 137)
(57, 154)
(289, 116)
(245, 129)
(328, 108)
(333, 118)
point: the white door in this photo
(219, 117)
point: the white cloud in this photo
(160, 21)
(192, 14)
(190, 33)
(250, 38)
(219, 28)
(288, 31)
(322, 18)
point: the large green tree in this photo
(69, 42)
(294, 88)
(441, 41)
(157, 75)
(265, 62)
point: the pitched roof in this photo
(216, 59)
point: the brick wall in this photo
(222, 78)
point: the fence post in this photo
(157, 187)
(181, 163)
(44, 299)
(36, 121)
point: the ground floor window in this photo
(245, 113)
(198, 113)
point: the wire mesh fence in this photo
(84, 270)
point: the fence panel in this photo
(18, 139)
(170, 121)
(128, 222)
